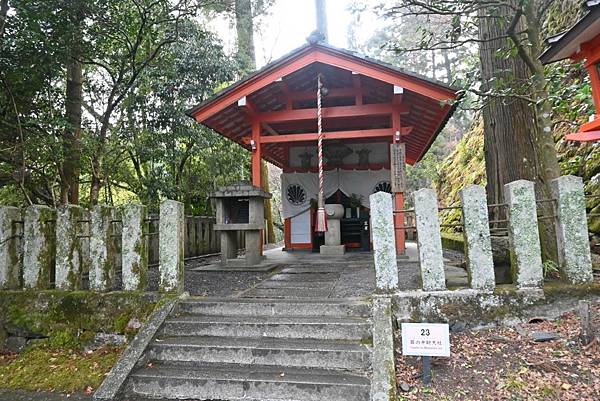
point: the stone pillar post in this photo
(384, 241)
(229, 246)
(39, 247)
(69, 255)
(253, 239)
(429, 240)
(171, 243)
(84, 238)
(572, 230)
(134, 248)
(102, 249)
(10, 250)
(480, 263)
(523, 234)
(383, 384)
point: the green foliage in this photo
(550, 269)
(144, 64)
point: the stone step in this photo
(328, 328)
(275, 307)
(288, 293)
(312, 269)
(305, 276)
(296, 284)
(248, 382)
(263, 351)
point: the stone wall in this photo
(104, 249)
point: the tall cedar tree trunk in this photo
(515, 145)
(70, 168)
(3, 13)
(447, 66)
(246, 55)
(322, 19)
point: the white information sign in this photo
(425, 339)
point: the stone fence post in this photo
(69, 252)
(39, 247)
(478, 244)
(429, 240)
(523, 234)
(134, 248)
(383, 383)
(572, 229)
(102, 248)
(384, 242)
(171, 241)
(10, 252)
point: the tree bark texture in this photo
(3, 13)
(321, 12)
(72, 134)
(246, 55)
(244, 27)
(513, 144)
(71, 162)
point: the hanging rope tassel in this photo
(321, 223)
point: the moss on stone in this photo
(454, 241)
(77, 314)
(505, 303)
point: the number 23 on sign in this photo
(425, 339)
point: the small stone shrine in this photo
(240, 208)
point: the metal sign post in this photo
(426, 370)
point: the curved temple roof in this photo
(362, 93)
(568, 43)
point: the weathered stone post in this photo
(383, 385)
(171, 244)
(480, 263)
(134, 248)
(384, 241)
(10, 252)
(523, 234)
(572, 229)
(429, 240)
(84, 238)
(39, 247)
(102, 248)
(69, 255)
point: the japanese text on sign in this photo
(425, 339)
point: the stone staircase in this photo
(259, 349)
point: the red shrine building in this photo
(367, 107)
(581, 43)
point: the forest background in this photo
(93, 95)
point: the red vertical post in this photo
(595, 81)
(256, 154)
(256, 157)
(399, 223)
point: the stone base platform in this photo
(333, 250)
(239, 266)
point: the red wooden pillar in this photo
(399, 223)
(595, 81)
(256, 154)
(256, 157)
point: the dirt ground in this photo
(504, 363)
